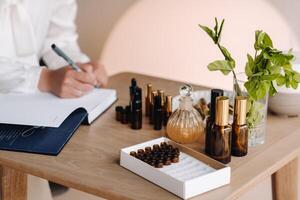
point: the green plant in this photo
(267, 67)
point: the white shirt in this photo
(27, 30)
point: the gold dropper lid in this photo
(149, 90)
(169, 103)
(161, 93)
(240, 110)
(153, 94)
(222, 111)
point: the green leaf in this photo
(249, 66)
(227, 55)
(280, 80)
(270, 77)
(250, 85)
(294, 84)
(216, 26)
(267, 42)
(296, 77)
(257, 33)
(262, 89)
(221, 65)
(220, 31)
(258, 74)
(209, 32)
(262, 40)
(272, 90)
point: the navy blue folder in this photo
(42, 140)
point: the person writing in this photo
(28, 28)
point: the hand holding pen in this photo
(99, 70)
(60, 53)
(66, 82)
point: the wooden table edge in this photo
(110, 195)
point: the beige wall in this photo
(95, 20)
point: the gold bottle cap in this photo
(153, 94)
(169, 103)
(222, 111)
(240, 110)
(149, 90)
(161, 93)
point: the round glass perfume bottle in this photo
(185, 125)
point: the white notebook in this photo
(45, 109)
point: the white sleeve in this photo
(18, 77)
(62, 32)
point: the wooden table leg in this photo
(285, 181)
(13, 184)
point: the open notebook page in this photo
(45, 109)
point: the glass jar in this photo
(256, 114)
(185, 125)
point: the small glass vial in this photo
(185, 125)
(239, 144)
(221, 132)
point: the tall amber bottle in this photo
(148, 99)
(210, 121)
(221, 132)
(167, 109)
(239, 144)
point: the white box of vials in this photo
(194, 174)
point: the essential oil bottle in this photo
(210, 121)
(239, 144)
(221, 132)
(167, 109)
(152, 102)
(148, 99)
(158, 115)
(136, 106)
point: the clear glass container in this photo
(185, 125)
(256, 114)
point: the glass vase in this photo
(185, 125)
(256, 113)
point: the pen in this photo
(59, 52)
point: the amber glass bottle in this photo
(221, 132)
(239, 144)
(167, 109)
(210, 121)
(148, 99)
(151, 111)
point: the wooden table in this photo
(90, 160)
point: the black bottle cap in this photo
(119, 108)
(157, 102)
(132, 87)
(127, 109)
(124, 116)
(133, 82)
(214, 94)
